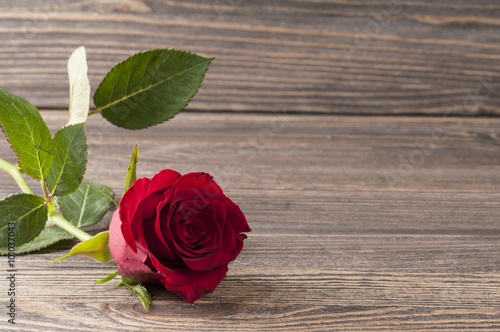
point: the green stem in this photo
(44, 187)
(13, 171)
(97, 110)
(58, 220)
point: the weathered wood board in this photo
(316, 56)
(335, 245)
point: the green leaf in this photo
(22, 218)
(70, 161)
(87, 205)
(28, 135)
(150, 88)
(131, 173)
(47, 237)
(139, 290)
(108, 278)
(96, 248)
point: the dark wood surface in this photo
(336, 245)
(371, 209)
(336, 56)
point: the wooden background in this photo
(338, 56)
(326, 121)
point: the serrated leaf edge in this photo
(65, 161)
(24, 194)
(132, 287)
(40, 168)
(69, 236)
(209, 60)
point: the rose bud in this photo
(181, 231)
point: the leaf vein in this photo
(149, 87)
(83, 206)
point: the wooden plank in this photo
(337, 56)
(336, 245)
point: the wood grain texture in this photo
(337, 244)
(336, 56)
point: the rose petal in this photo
(198, 187)
(163, 213)
(144, 227)
(228, 244)
(201, 284)
(137, 271)
(202, 222)
(219, 212)
(163, 180)
(236, 217)
(132, 198)
(206, 257)
(145, 209)
(130, 263)
(203, 263)
(117, 246)
(128, 207)
(149, 239)
(174, 273)
(136, 194)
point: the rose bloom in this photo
(181, 231)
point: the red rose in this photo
(179, 230)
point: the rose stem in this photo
(13, 171)
(58, 220)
